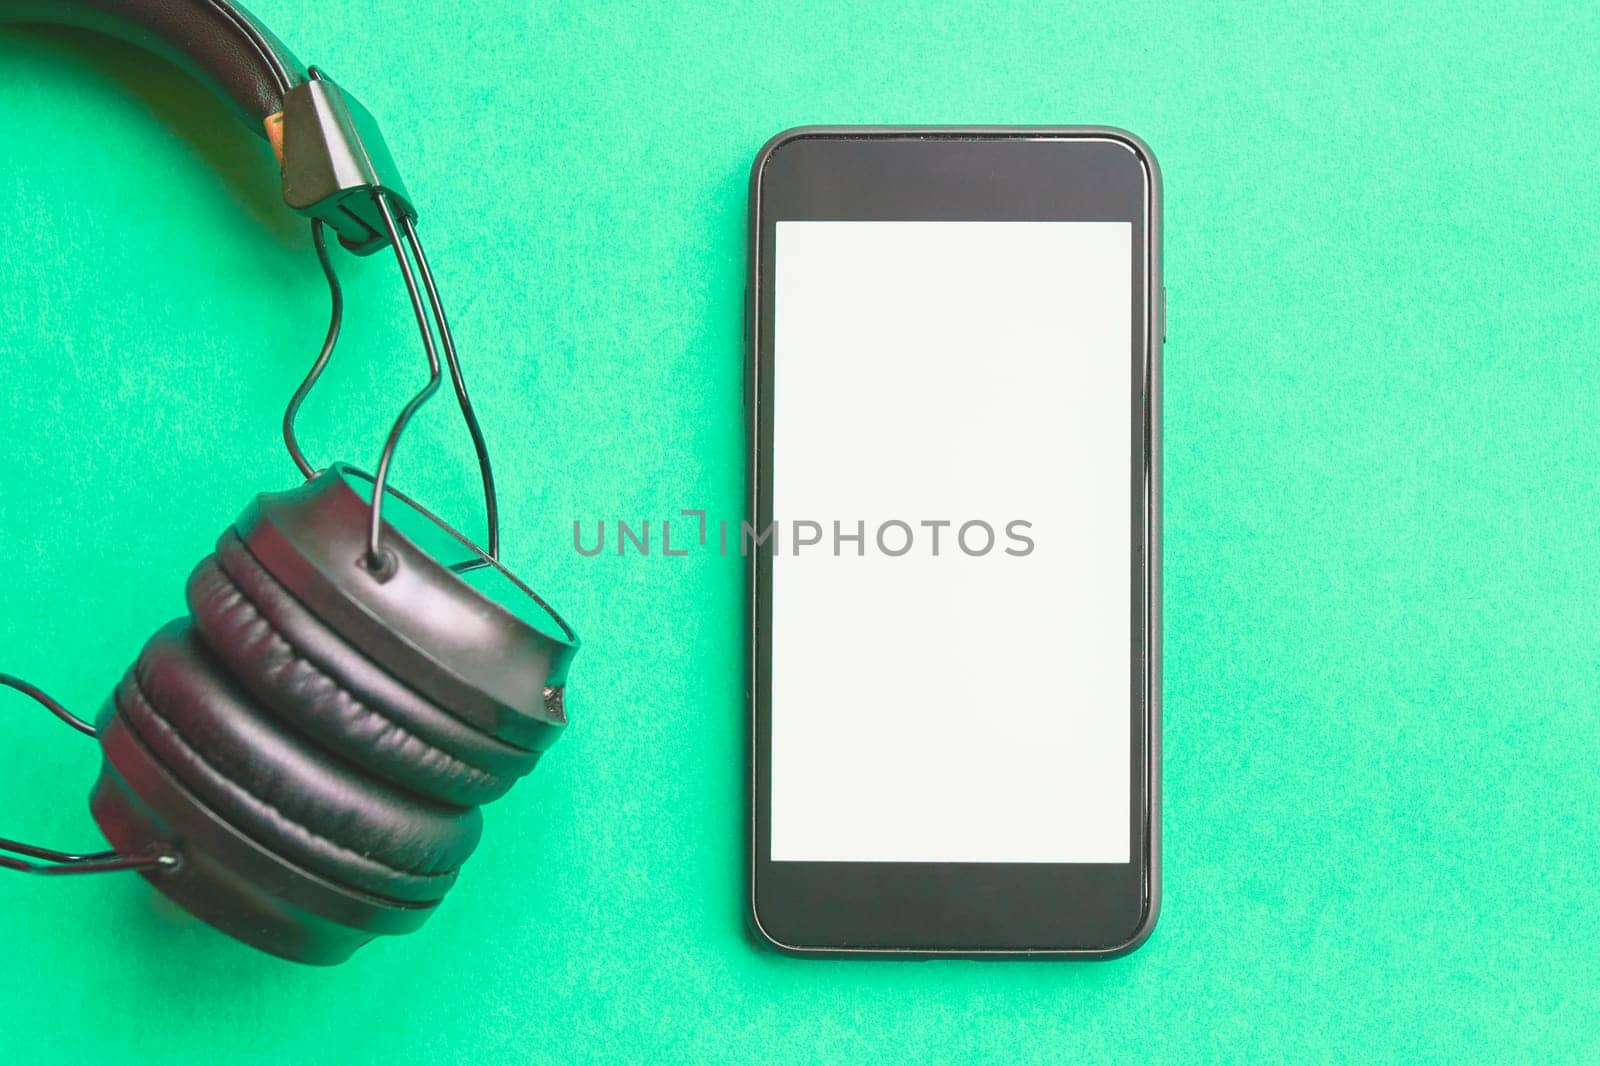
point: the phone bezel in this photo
(961, 909)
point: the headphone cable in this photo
(441, 323)
(336, 320)
(464, 401)
(58, 863)
(375, 559)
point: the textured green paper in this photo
(1383, 599)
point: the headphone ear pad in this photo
(311, 745)
(312, 679)
(283, 792)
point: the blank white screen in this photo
(952, 708)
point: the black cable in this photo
(34, 851)
(101, 862)
(43, 699)
(335, 321)
(457, 379)
(65, 862)
(491, 502)
(381, 475)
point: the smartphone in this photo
(953, 541)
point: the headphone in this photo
(301, 760)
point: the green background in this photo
(1383, 599)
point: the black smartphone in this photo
(953, 535)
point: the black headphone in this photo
(300, 761)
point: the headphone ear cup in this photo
(312, 744)
(281, 791)
(310, 678)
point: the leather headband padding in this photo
(218, 42)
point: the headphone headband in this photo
(220, 43)
(334, 160)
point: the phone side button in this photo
(1163, 314)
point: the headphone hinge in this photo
(335, 161)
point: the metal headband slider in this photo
(335, 163)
